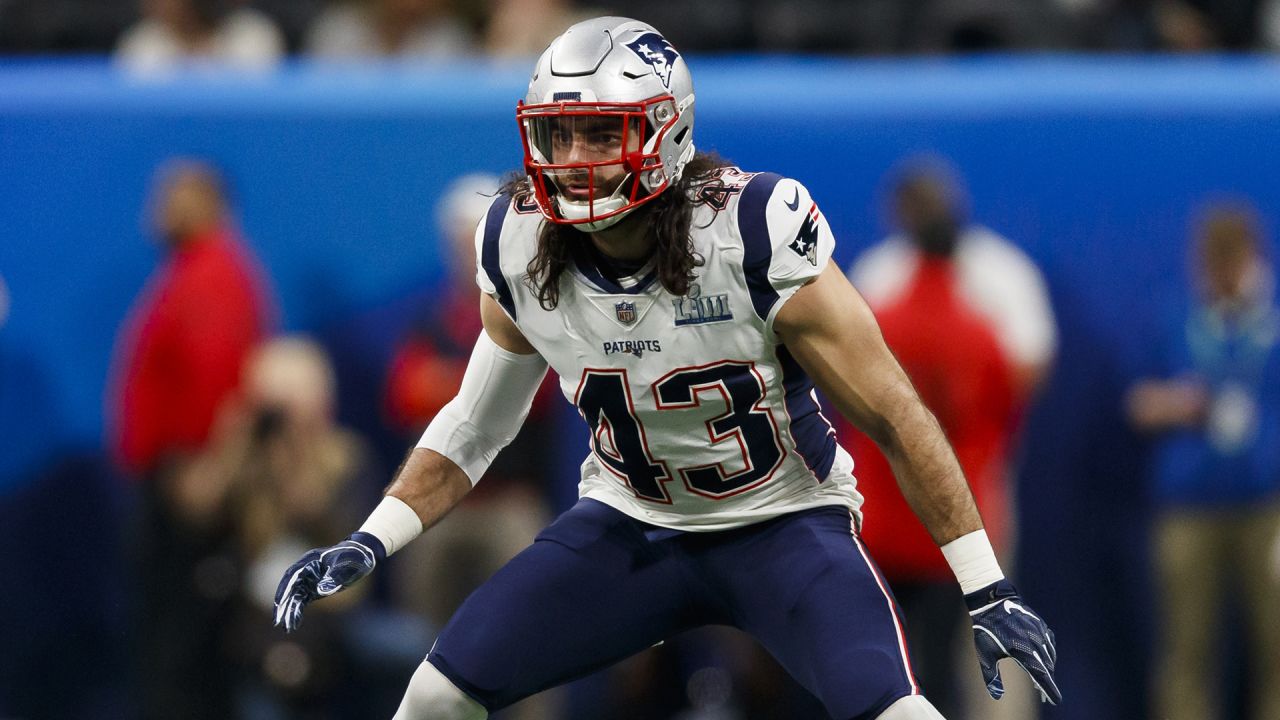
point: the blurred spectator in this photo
(508, 508)
(1216, 404)
(1182, 27)
(705, 26)
(1209, 24)
(994, 277)
(375, 28)
(175, 32)
(179, 358)
(293, 17)
(428, 364)
(936, 295)
(1166, 25)
(527, 27)
(181, 349)
(282, 477)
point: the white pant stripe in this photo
(897, 625)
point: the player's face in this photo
(591, 139)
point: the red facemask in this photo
(587, 160)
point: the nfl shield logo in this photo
(626, 312)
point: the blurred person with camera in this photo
(173, 33)
(967, 315)
(178, 360)
(282, 475)
(1214, 406)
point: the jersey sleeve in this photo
(786, 241)
(489, 274)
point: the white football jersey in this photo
(700, 419)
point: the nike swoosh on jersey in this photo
(795, 201)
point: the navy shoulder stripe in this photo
(490, 252)
(757, 248)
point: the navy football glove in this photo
(1004, 627)
(322, 572)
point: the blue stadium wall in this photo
(1094, 166)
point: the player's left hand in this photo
(1004, 627)
(322, 572)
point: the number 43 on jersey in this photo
(618, 437)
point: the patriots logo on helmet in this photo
(658, 53)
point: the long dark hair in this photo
(670, 214)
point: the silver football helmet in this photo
(607, 123)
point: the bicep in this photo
(832, 333)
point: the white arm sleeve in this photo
(490, 407)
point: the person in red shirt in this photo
(188, 334)
(953, 356)
(179, 362)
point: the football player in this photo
(689, 310)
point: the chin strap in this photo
(598, 225)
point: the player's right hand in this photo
(322, 572)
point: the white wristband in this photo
(973, 561)
(394, 523)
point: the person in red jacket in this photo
(179, 361)
(953, 354)
(202, 311)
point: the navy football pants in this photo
(597, 586)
